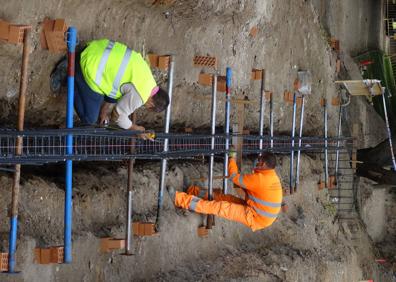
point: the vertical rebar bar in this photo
(293, 133)
(271, 121)
(262, 109)
(166, 143)
(326, 142)
(18, 151)
(131, 162)
(299, 143)
(227, 128)
(338, 140)
(71, 46)
(388, 129)
(210, 217)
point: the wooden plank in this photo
(359, 88)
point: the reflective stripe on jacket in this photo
(106, 65)
(263, 189)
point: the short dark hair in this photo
(160, 100)
(269, 159)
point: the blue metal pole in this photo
(71, 46)
(227, 127)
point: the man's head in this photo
(158, 102)
(266, 161)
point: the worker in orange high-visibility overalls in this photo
(262, 202)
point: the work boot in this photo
(172, 193)
(186, 182)
(58, 76)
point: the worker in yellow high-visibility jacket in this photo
(108, 72)
(261, 205)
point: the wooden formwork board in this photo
(359, 88)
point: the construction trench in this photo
(84, 191)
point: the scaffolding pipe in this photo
(18, 151)
(292, 142)
(166, 143)
(388, 129)
(271, 121)
(299, 143)
(262, 110)
(71, 46)
(131, 162)
(325, 140)
(128, 237)
(210, 217)
(338, 141)
(227, 128)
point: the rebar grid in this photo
(48, 146)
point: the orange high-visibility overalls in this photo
(259, 209)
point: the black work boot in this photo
(58, 76)
(172, 193)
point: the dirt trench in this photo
(305, 244)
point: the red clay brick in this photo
(37, 255)
(57, 254)
(55, 41)
(47, 24)
(202, 231)
(153, 60)
(256, 74)
(104, 244)
(3, 262)
(221, 83)
(15, 34)
(116, 244)
(4, 30)
(45, 256)
(143, 228)
(163, 62)
(60, 25)
(149, 229)
(205, 61)
(205, 79)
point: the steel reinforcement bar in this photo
(99, 144)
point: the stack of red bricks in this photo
(12, 33)
(49, 255)
(53, 35)
(143, 228)
(158, 61)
